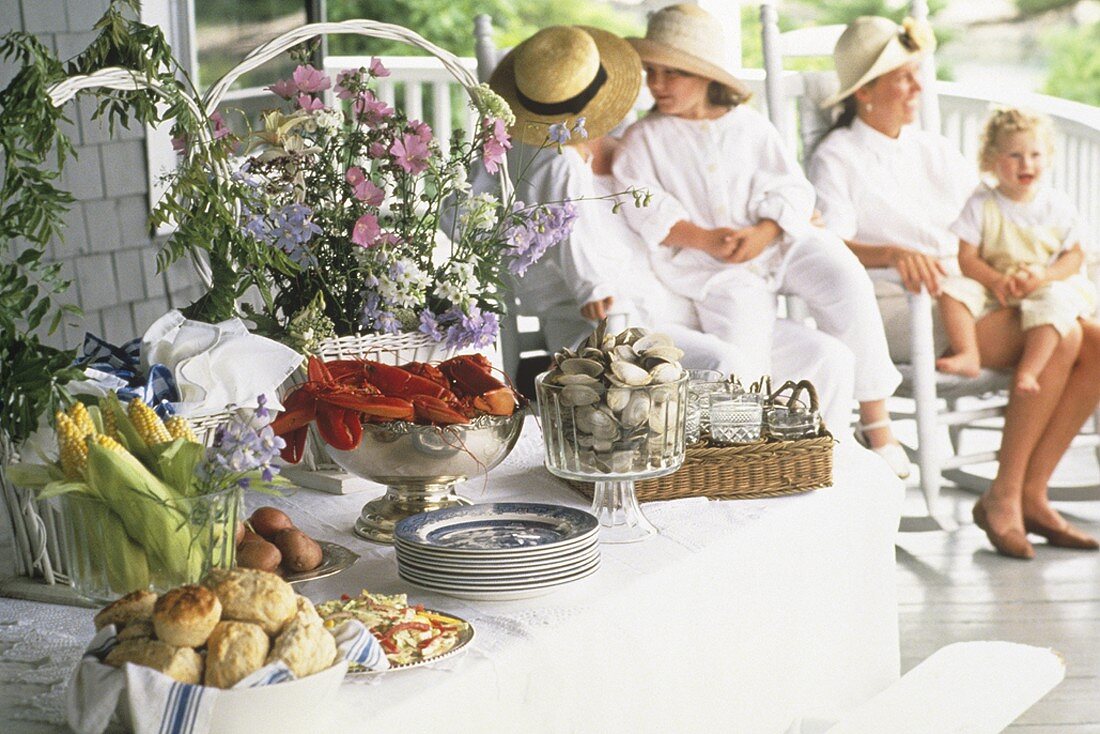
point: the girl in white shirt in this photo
(1018, 248)
(893, 193)
(729, 219)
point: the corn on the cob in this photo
(71, 447)
(110, 423)
(148, 424)
(109, 443)
(180, 427)
(79, 413)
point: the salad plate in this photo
(502, 594)
(497, 569)
(334, 559)
(495, 528)
(499, 582)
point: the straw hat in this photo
(565, 72)
(689, 38)
(873, 46)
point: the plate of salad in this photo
(410, 635)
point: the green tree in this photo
(1075, 64)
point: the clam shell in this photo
(636, 411)
(649, 341)
(581, 366)
(602, 445)
(577, 379)
(631, 335)
(577, 395)
(622, 461)
(665, 372)
(626, 353)
(605, 431)
(666, 353)
(593, 353)
(617, 398)
(629, 373)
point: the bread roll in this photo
(248, 595)
(306, 608)
(139, 629)
(135, 605)
(181, 663)
(234, 651)
(186, 615)
(305, 646)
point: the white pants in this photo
(740, 307)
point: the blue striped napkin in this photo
(166, 706)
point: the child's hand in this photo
(1027, 281)
(751, 241)
(596, 310)
(1004, 289)
(720, 243)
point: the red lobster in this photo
(339, 395)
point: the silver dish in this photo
(334, 559)
(464, 638)
(421, 464)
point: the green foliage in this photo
(1075, 64)
(1035, 7)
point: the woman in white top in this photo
(601, 268)
(729, 221)
(893, 193)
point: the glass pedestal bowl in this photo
(420, 465)
(614, 437)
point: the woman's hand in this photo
(917, 269)
(751, 241)
(596, 310)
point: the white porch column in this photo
(728, 13)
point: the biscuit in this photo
(248, 595)
(135, 605)
(181, 663)
(139, 629)
(186, 615)
(305, 607)
(306, 647)
(234, 651)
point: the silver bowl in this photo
(420, 465)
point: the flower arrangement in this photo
(350, 196)
(151, 504)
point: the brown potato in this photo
(267, 521)
(300, 552)
(241, 529)
(250, 536)
(258, 554)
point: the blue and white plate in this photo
(465, 564)
(511, 572)
(506, 528)
(500, 593)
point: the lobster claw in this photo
(339, 427)
(295, 445)
(471, 374)
(435, 411)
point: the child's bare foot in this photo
(964, 364)
(1027, 383)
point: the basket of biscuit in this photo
(745, 443)
(238, 652)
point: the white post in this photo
(773, 67)
(929, 101)
(728, 13)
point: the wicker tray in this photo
(765, 469)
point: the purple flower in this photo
(376, 150)
(429, 325)
(240, 448)
(376, 68)
(370, 110)
(310, 80)
(579, 129)
(558, 133)
(387, 323)
(411, 153)
(366, 230)
(285, 88)
(537, 230)
(220, 128)
(309, 103)
(422, 130)
(476, 329)
(363, 189)
(492, 152)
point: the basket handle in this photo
(796, 390)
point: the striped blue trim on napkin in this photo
(156, 388)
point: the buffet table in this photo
(741, 616)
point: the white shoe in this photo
(892, 453)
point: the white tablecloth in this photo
(740, 616)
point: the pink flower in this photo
(309, 103)
(310, 80)
(421, 130)
(492, 152)
(344, 78)
(366, 229)
(389, 238)
(377, 150)
(363, 189)
(220, 128)
(376, 69)
(371, 110)
(285, 88)
(411, 153)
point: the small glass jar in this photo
(784, 423)
(735, 419)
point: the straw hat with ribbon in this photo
(871, 46)
(688, 38)
(566, 72)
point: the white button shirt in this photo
(906, 191)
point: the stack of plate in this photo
(506, 550)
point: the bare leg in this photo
(1039, 343)
(1077, 402)
(963, 335)
(871, 412)
(1026, 418)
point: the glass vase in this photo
(112, 553)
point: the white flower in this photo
(328, 119)
(480, 212)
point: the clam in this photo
(593, 353)
(664, 353)
(626, 353)
(581, 366)
(617, 398)
(665, 372)
(577, 395)
(629, 373)
(636, 411)
(578, 379)
(622, 461)
(649, 341)
(631, 335)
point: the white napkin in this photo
(167, 706)
(216, 365)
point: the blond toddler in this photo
(1019, 247)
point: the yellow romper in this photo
(1010, 247)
